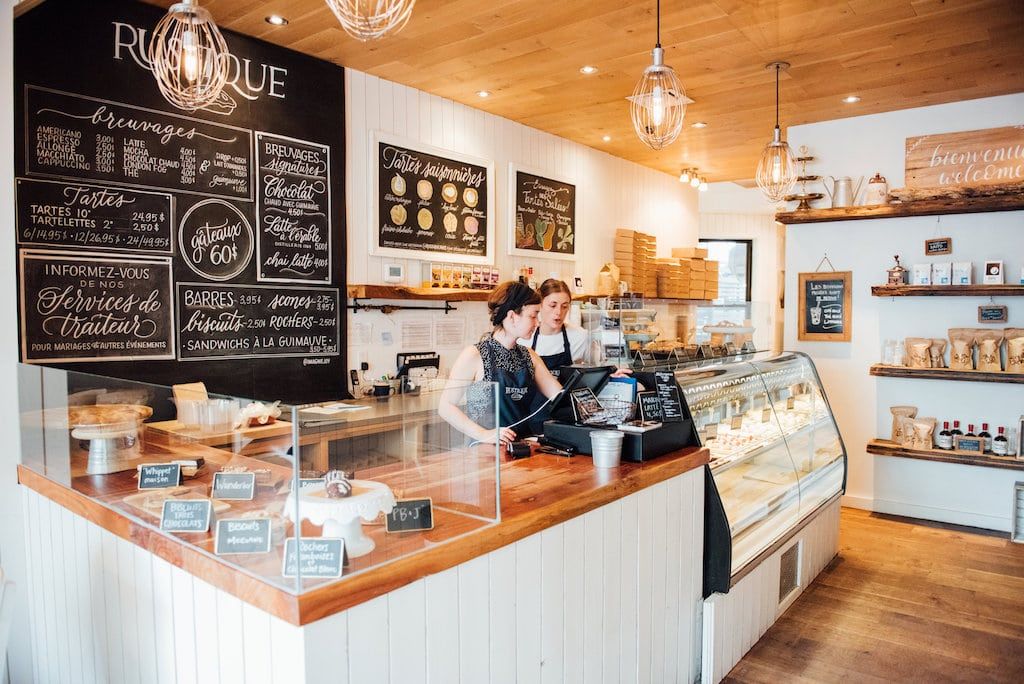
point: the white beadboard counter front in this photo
(591, 575)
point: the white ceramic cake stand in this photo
(343, 517)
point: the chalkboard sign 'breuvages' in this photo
(433, 201)
(543, 216)
(825, 309)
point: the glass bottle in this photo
(970, 430)
(956, 429)
(987, 437)
(945, 438)
(1001, 445)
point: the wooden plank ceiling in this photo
(894, 54)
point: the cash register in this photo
(568, 425)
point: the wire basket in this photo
(613, 412)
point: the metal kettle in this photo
(843, 193)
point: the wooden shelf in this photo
(945, 374)
(947, 290)
(919, 208)
(437, 294)
(883, 447)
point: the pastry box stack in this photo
(634, 255)
(673, 278)
(703, 274)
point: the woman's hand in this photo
(622, 373)
(500, 435)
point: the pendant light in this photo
(658, 102)
(188, 56)
(371, 19)
(776, 171)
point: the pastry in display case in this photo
(258, 486)
(776, 453)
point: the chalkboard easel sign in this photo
(410, 515)
(825, 309)
(543, 215)
(650, 406)
(430, 202)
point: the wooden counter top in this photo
(536, 493)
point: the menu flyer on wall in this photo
(434, 201)
(255, 321)
(293, 210)
(240, 191)
(87, 307)
(544, 216)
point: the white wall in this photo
(612, 193)
(729, 198)
(12, 552)
(861, 146)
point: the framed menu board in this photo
(543, 216)
(825, 308)
(145, 232)
(431, 203)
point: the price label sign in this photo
(159, 475)
(242, 535)
(185, 516)
(235, 486)
(650, 406)
(318, 557)
(411, 515)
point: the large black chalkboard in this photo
(430, 203)
(824, 310)
(545, 216)
(249, 190)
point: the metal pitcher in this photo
(843, 193)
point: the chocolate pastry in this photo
(338, 484)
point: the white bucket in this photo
(606, 448)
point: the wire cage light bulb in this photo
(776, 170)
(188, 56)
(658, 104)
(371, 19)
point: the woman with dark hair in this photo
(519, 373)
(557, 343)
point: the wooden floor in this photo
(905, 600)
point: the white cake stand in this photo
(343, 517)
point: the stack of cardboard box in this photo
(673, 278)
(634, 255)
(703, 274)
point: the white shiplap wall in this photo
(733, 622)
(613, 595)
(611, 193)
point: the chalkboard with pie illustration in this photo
(543, 215)
(431, 200)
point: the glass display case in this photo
(296, 496)
(776, 453)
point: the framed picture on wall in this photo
(430, 203)
(542, 215)
(825, 310)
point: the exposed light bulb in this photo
(190, 55)
(695, 181)
(684, 177)
(703, 185)
(658, 105)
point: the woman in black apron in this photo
(520, 374)
(556, 299)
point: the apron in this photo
(553, 362)
(517, 394)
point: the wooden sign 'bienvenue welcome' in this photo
(993, 156)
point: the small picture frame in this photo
(993, 313)
(937, 246)
(993, 273)
(974, 445)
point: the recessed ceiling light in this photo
(276, 20)
(699, 124)
(483, 93)
(607, 138)
(588, 69)
(850, 99)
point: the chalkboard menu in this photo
(146, 232)
(544, 216)
(433, 204)
(668, 396)
(825, 306)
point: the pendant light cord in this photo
(658, 41)
(776, 95)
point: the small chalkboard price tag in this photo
(186, 516)
(936, 246)
(668, 395)
(235, 486)
(311, 483)
(410, 515)
(992, 313)
(242, 535)
(159, 475)
(615, 351)
(321, 557)
(645, 357)
(705, 351)
(972, 444)
(650, 406)
(584, 403)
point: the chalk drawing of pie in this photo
(451, 222)
(470, 197)
(472, 225)
(424, 218)
(424, 189)
(449, 193)
(398, 185)
(398, 214)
